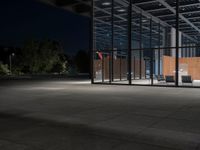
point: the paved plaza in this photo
(75, 115)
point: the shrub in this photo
(4, 69)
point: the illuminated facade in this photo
(146, 42)
(142, 42)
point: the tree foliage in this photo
(41, 57)
(4, 69)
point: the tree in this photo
(42, 57)
(4, 69)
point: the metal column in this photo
(159, 51)
(152, 53)
(129, 41)
(92, 43)
(112, 43)
(140, 52)
(177, 43)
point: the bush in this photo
(59, 67)
(41, 57)
(4, 69)
(17, 71)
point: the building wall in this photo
(187, 66)
(120, 70)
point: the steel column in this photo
(112, 45)
(140, 52)
(152, 53)
(177, 43)
(129, 41)
(92, 44)
(159, 51)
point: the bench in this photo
(187, 79)
(169, 79)
(160, 78)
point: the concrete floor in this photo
(195, 83)
(75, 115)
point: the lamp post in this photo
(10, 60)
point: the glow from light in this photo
(144, 20)
(121, 10)
(106, 4)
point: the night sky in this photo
(21, 20)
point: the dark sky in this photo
(21, 20)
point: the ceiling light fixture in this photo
(106, 3)
(144, 20)
(121, 10)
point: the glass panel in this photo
(102, 40)
(189, 70)
(140, 67)
(120, 50)
(166, 67)
(189, 58)
(153, 45)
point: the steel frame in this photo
(131, 5)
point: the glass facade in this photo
(145, 42)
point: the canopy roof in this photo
(161, 10)
(79, 6)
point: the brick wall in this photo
(192, 66)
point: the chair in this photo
(187, 79)
(160, 78)
(169, 79)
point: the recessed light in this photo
(121, 10)
(144, 20)
(106, 3)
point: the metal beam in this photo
(153, 10)
(146, 14)
(161, 9)
(147, 2)
(165, 15)
(190, 12)
(191, 18)
(180, 15)
(189, 5)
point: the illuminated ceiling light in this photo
(159, 4)
(121, 10)
(144, 20)
(106, 3)
(183, 8)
